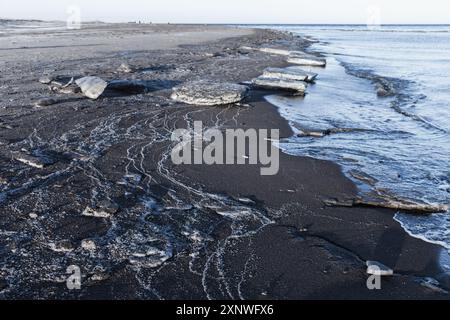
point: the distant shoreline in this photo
(234, 23)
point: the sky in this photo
(236, 11)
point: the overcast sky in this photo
(234, 11)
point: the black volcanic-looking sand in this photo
(195, 232)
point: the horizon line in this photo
(235, 23)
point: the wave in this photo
(378, 29)
(393, 87)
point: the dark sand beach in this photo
(176, 232)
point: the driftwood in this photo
(390, 203)
(328, 132)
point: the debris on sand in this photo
(68, 90)
(4, 125)
(88, 245)
(92, 87)
(125, 68)
(141, 249)
(244, 51)
(45, 79)
(45, 102)
(59, 81)
(150, 258)
(378, 269)
(96, 213)
(39, 162)
(100, 274)
(209, 93)
(104, 209)
(298, 87)
(307, 60)
(60, 84)
(68, 83)
(63, 246)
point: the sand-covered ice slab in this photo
(307, 60)
(280, 52)
(289, 74)
(209, 93)
(299, 87)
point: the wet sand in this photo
(188, 232)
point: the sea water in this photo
(403, 140)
